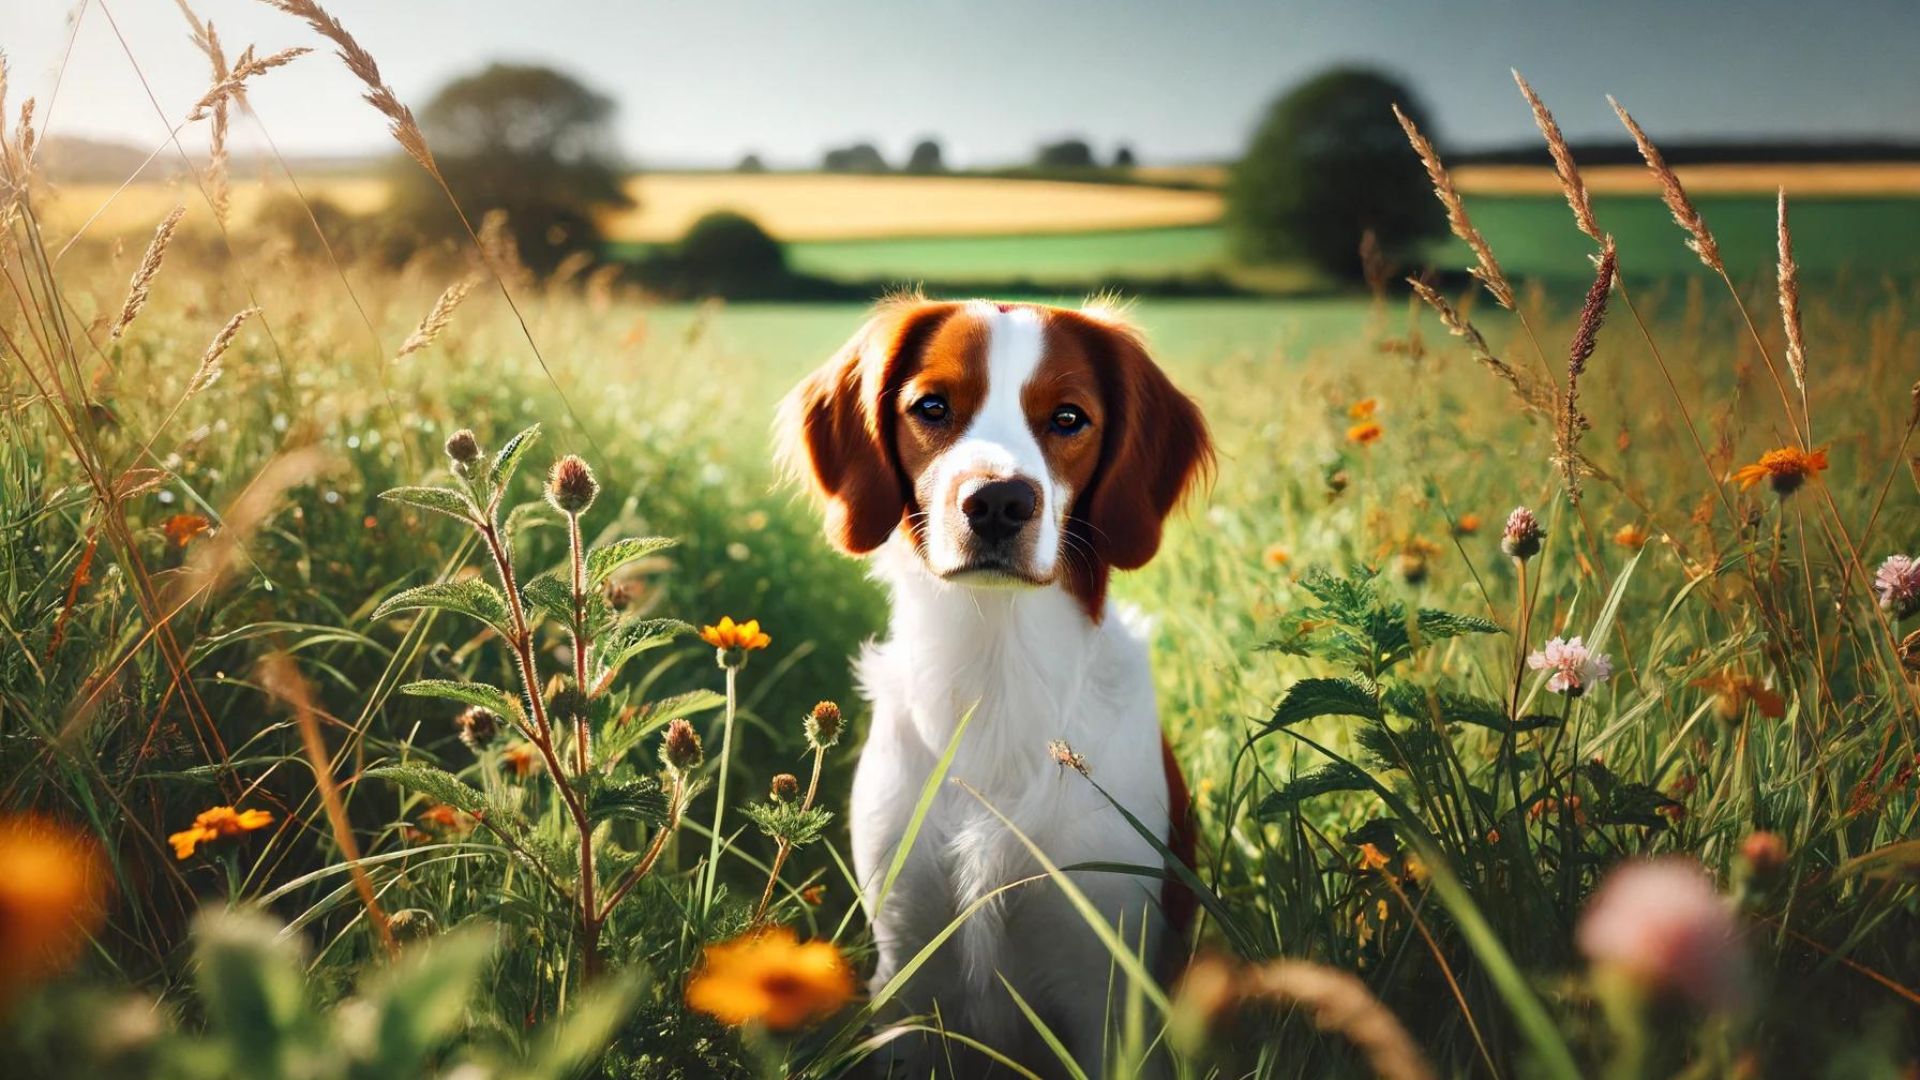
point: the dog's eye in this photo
(1068, 419)
(931, 408)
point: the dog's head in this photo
(1016, 445)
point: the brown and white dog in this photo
(998, 462)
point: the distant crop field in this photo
(1075, 256)
(1804, 179)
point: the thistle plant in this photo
(556, 717)
(790, 820)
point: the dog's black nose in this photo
(997, 509)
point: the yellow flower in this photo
(1786, 469)
(216, 824)
(1631, 535)
(1366, 433)
(729, 635)
(52, 895)
(770, 978)
(1363, 409)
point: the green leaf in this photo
(1624, 802)
(637, 798)
(471, 597)
(1310, 698)
(786, 821)
(508, 459)
(580, 1036)
(1447, 706)
(1413, 750)
(548, 593)
(605, 559)
(533, 514)
(618, 738)
(252, 985)
(442, 786)
(1438, 625)
(1325, 780)
(629, 639)
(421, 1001)
(487, 697)
(440, 500)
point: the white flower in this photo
(1662, 925)
(1898, 584)
(1575, 667)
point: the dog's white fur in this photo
(1033, 667)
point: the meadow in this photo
(246, 591)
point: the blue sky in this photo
(702, 81)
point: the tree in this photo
(729, 254)
(1327, 163)
(926, 158)
(528, 140)
(1123, 157)
(1065, 154)
(858, 158)
(751, 164)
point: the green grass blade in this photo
(928, 792)
(1046, 1033)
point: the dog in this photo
(996, 463)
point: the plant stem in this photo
(582, 641)
(785, 848)
(720, 789)
(676, 806)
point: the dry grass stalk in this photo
(1563, 164)
(1534, 397)
(23, 136)
(1573, 423)
(142, 284)
(1341, 1004)
(1790, 302)
(400, 122)
(501, 251)
(219, 189)
(1675, 196)
(209, 371)
(599, 288)
(437, 318)
(569, 268)
(1488, 270)
(244, 68)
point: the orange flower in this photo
(1786, 469)
(814, 894)
(53, 886)
(1466, 525)
(1363, 409)
(183, 529)
(521, 758)
(1366, 433)
(215, 824)
(446, 819)
(1372, 858)
(1733, 692)
(771, 978)
(1275, 556)
(728, 635)
(1631, 535)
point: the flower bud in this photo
(1765, 855)
(1521, 540)
(479, 727)
(680, 751)
(823, 725)
(463, 447)
(786, 788)
(571, 486)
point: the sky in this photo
(700, 82)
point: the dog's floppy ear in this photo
(1154, 447)
(836, 427)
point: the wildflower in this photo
(1575, 667)
(814, 895)
(1632, 536)
(823, 725)
(1785, 469)
(522, 758)
(444, 818)
(463, 447)
(1493, 836)
(1764, 855)
(733, 641)
(1366, 433)
(1363, 409)
(1522, 536)
(1898, 583)
(184, 529)
(680, 751)
(1276, 556)
(1411, 562)
(786, 788)
(479, 726)
(52, 895)
(772, 978)
(216, 824)
(1662, 926)
(1064, 756)
(1372, 858)
(1466, 524)
(571, 486)
(1733, 692)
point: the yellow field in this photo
(1863, 178)
(791, 206)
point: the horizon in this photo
(1126, 77)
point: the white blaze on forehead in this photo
(999, 439)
